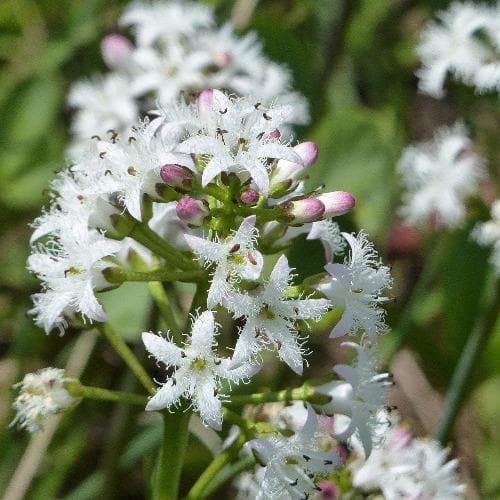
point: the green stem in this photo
(468, 361)
(127, 355)
(147, 237)
(171, 457)
(160, 296)
(199, 489)
(303, 393)
(118, 275)
(227, 473)
(77, 390)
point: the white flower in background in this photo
(439, 176)
(292, 465)
(488, 234)
(103, 104)
(198, 373)
(457, 44)
(238, 136)
(357, 286)
(70, 271)
(41, 394)
(270, 319)
(235, 259)
(361, 396)
(408, 468)
(164, 23)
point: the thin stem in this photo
(118, 275)
(199, 489)
(468, 361)
(227, 473)
(77, 390)
(304, 393)
(171, 458)
(127, 355)
(147, 237)
(160, 297)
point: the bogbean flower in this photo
(70, 270)
(198, 371)
(41, 394)
(236, 136)
(361, 397)
(177, 52)
(328, 232)
(488, 234)
(235, 259)
(357, 286)
(439, 176)
(270, 319)
(406, 467)
(464, 42)
(293, 465)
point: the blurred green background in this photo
(354, 60)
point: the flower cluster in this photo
(41, 394)
(465, 43)
(407, 467)
(439, 176)
(177, 50)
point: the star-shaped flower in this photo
(198, 371)
(270, 318)
(235, 259)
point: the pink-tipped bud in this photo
(176, 176)
(191, 211)
(115, 50)
(250, 197)
(206, 101)
(288, 170)
(337, 203)
(306, 210)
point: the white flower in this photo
(408, 468)
(70, 270)
(102, 104)
(452, 46)
(270, 319)
(439, 176)
(488, 233)
(292, 465)
(235, 259)
(357, 287)
(134, 164)
(198, 373)
(166, 22)
(236, 135)
(362, 397)
(41, 394)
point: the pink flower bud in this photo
(288, 170)
(115, 49)
(206, 101)
(306, 210)
(176, 176)
(191, 211)
(337, 203)
(250, 197)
